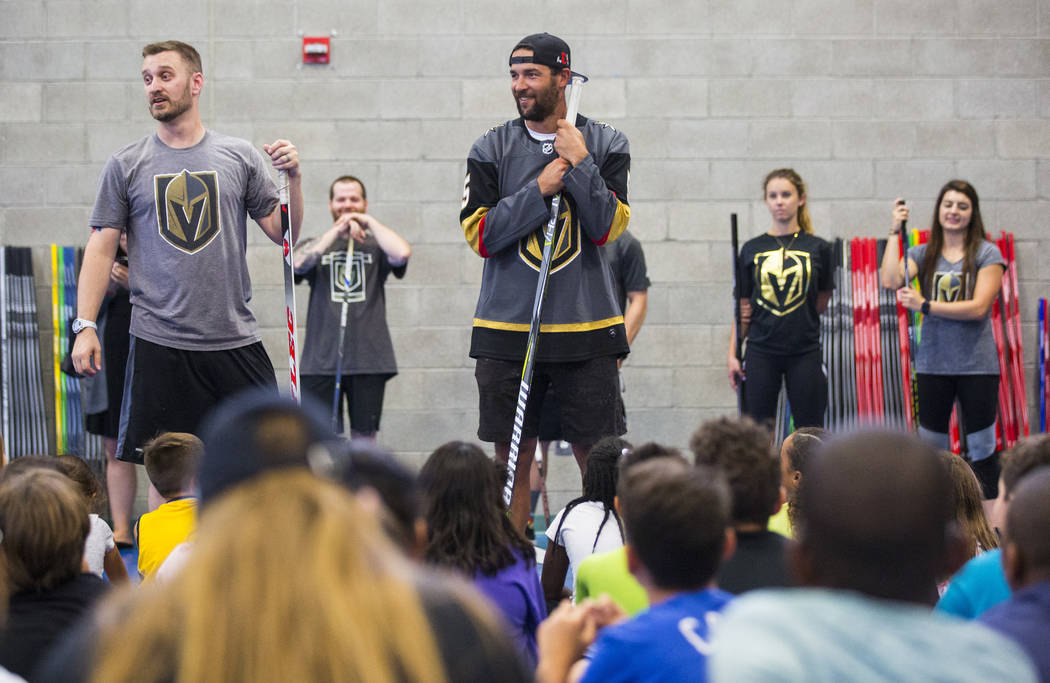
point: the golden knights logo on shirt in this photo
(187, 208)
(783, 280)
(566, 242)
(948, 286)
(341, 283)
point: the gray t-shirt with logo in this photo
(185, 212)
(956, 347)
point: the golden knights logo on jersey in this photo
(566, 242)
(187, 208)
(783, 280)
(342, 283)
(948, 286)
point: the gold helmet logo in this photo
(783, 278)
(946, 286)
(188, 209)
(566, 245)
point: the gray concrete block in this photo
(314, 139)
(24, 20)
(439, 224)
(649, 221)
(790, 139)
(1043, 178)
(661, 16)
(900, 17)
(708, 138)
(473, 53)
(916, 178)
(605, 99)
(954, 56)
(317, 17)
(646, 387)
(601, 18)
(747, 97)
(447, 139)
(914, 99)
(488, 99)
(1026, 219)
(1023, 139)
(424, 430)
(20, 185)
(419, 99)
(70, 185)
(281, 59)
(80, 19)
(359, 56)
(255, 19)
(995, 179)
(103, 139)
(425, 181)
(435, 264)
(404, 17)
(692, 221)
(39, 226)
(41, 61)
(861, 57)
(737, 180)
(431, 347)
(81, 102)
(455, 389)
(1010, 17)
(239, 100)
(648, 137)
(21, 102)
(678, 261)
(855, 218)
(673, 346)
(748, 17)
(405, 391)
(350, 100)
(816, 17)
(234, 62)
(996, 98)
(1022, 57)
(955, 139)
(268, 299)
(653, 179)
(831, 98)
(873, 139)
(790, 57)
(378, 140)
(402, 309)
(667, 97)
(41, 143)
(702, 388)
(190, 23)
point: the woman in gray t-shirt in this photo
(959, 274)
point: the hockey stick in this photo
(738, 340)
(289, 289)
(537, 307)
(344, 314)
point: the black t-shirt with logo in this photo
(782, 276)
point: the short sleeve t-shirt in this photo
(782, 276)
(579, 533)
(956, 347)
(669, 642)
(368, 348)
(185, 212)
(627, 263)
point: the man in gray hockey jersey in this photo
(513, 170)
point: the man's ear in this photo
(197, 83)
(616, 506)
(634, 563)
(1014, 568)
(730, 543)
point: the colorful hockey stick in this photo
(289, 289)
(537, 308)
(344, 314)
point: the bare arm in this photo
(989, 280)
(395, 247)
(822, 301)
(891, 271)
(91, 288)
(116, 572)
(634, 316)
(555, 567)
(285, 158)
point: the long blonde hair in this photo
(790, 175)
(289, 580)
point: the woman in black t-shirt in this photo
(785, 282)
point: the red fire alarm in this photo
(316, 49)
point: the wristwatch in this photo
(80, 323)
(926, 307)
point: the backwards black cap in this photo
(547, 50)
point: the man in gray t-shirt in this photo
(368, 354)
(183, 196)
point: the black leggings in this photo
(978, 397)
(807, 386)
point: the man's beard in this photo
(543, 104)
(177, 109)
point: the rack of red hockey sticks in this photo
(869, 342)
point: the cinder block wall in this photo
(868, 99)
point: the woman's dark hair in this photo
(975, 235)
(467, 524)
(804, 442)
(599, 483)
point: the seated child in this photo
(171, 462)
(100, 550)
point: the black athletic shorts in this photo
(550, 416)
(588, 398)
(172, 390)
(362, 394)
